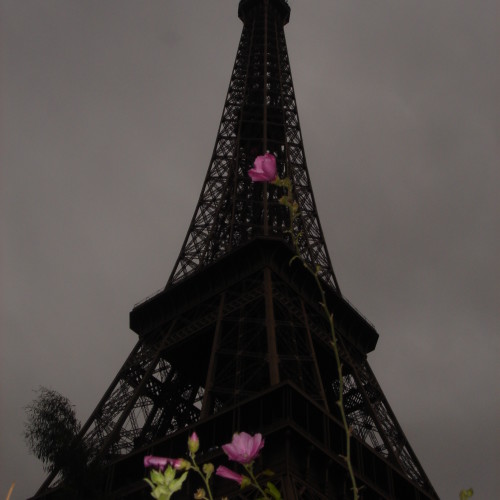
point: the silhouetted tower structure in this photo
(237, 339)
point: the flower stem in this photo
(249, 469)
(292, 206)
(201, 474)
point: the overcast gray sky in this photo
(109, 113)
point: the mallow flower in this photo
(244, 447)
(264, 168)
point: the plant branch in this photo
(293, 211)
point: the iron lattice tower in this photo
(237, 340)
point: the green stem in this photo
(249, 469)
(292, 210)
(202, 475)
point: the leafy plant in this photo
(50, 431)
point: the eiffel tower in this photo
(237, 340)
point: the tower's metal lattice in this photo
(260, 114)
(237, 340)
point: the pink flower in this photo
(243, 448)
(162, 462)
(229, 474)
(264, 168)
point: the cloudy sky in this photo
(109, 111)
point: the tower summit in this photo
(237, 340)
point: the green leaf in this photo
(169, 474)
(176, 484)
(464, 494)
(157, 477)
(273, 491)
(161, 493)
(267, 472)
(150, 483)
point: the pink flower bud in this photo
(229, 474)
(193, 443)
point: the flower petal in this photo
(156, 462)
(264, 168)
(257, 176)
